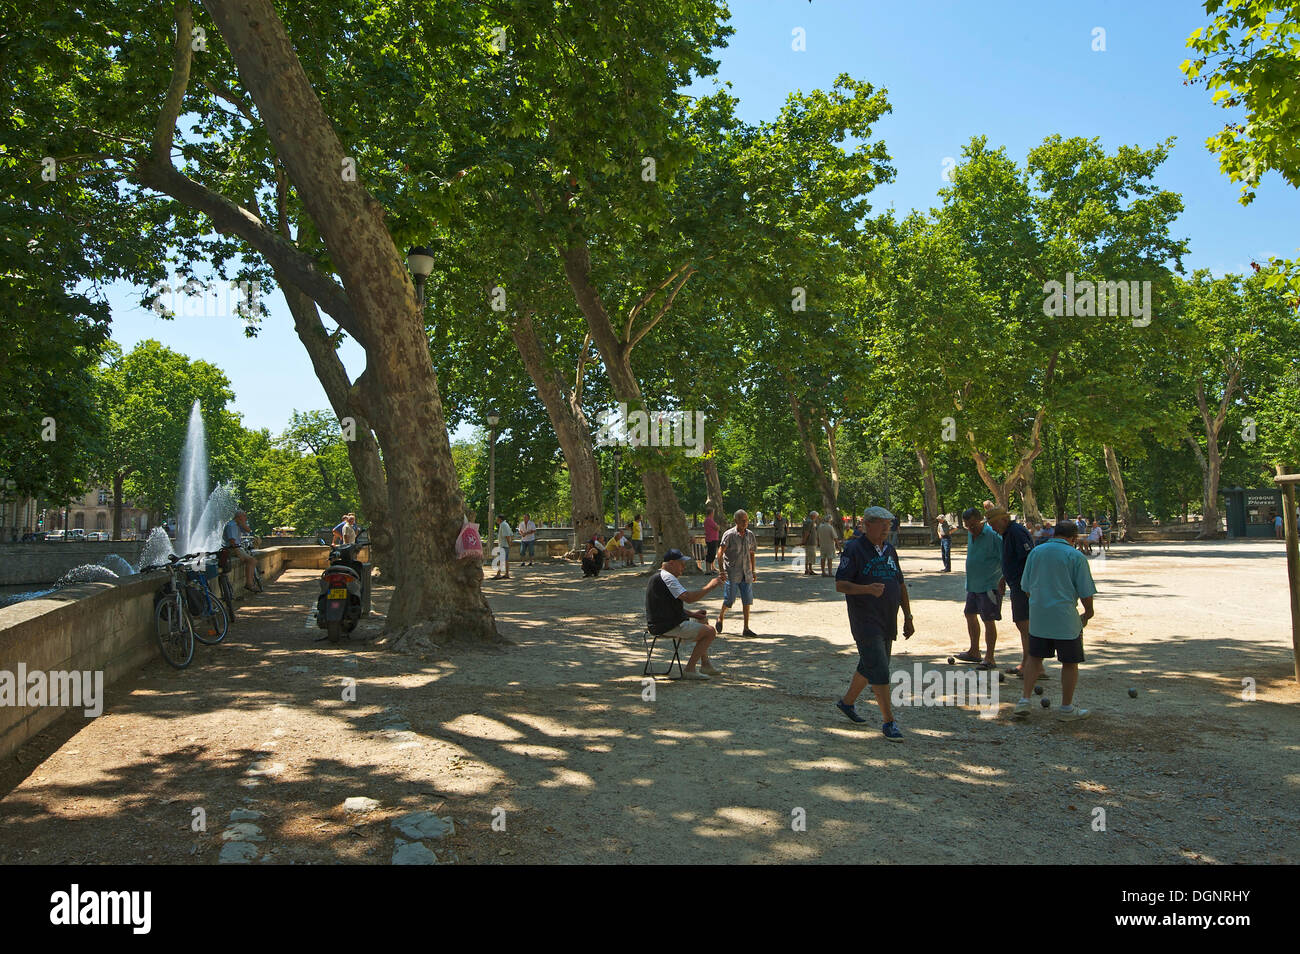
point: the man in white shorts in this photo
(666, 616)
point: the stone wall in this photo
(22, 564)
(99, 627)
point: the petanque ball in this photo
(1132, 693)
(1038, 691)
(1002, 677)
(951, 661)
(1047, 703)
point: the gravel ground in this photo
(550, 751)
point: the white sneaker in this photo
(1069, 715)
(710, 669)
(697, 676)
(1021, 710)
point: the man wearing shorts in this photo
(1016, 544)
(808, 541)
(1057, 577)
(636, 538)
(872, 583)
(737, 555)
(779, 527)
(666, 616)
(826, 540)
(983, 585)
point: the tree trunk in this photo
(572, 429)
(1210, 460)
(1122, 512)
(439, 598)
(1028, 497)
(712, 484)
(931, 501)
(829, 502)
(662, 506)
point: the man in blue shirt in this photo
(872, 583)
(1056, 577)
(983, 585)
(1016, 544)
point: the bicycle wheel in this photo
(212, 626)
(228, 596)
(175, 634)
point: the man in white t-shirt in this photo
(501, 556)
(527, 541)
(666, 616)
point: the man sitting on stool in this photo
(666, 616)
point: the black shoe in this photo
(850, 711)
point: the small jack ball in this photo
(1132, 693)
(1002, 677)
(1047, 703)
(951, 661)
(1038, 691)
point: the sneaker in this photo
(1072, 713)
(710, 669)
(891, 732)
(850, 711)
(1021, 710)
(749, 632)
(696, 676)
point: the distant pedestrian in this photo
(737, 568)
(527, 541)
(636, 538)
(1056, 577)
(501, 557)
(872, 583)
(945, 542)
(711, 535)
(983, 581)
(826, 541)
(780, 526)
(593, 557)
(1277, 526)
(808, 540)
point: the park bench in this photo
(650, 641)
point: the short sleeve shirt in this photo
(1056, 577)
(231, 534)
(863, 563)
(636, 529)
(983, 561)
(503, 531)
(710, 530)
(735, 549)
(527, 531)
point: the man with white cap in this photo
(872, 583)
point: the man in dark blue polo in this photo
(872, 583)
(1016, 544)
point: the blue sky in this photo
(1015, 72)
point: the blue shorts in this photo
(729, 589)
(983, 605)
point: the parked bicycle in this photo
(184, 601)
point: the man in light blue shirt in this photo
(1056, 577)
(983, 586)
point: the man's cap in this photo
(994, 512)
(674, 554)
(877, 513)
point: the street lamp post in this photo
(419, 259)
(492, 420)
(1078, 491)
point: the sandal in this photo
(986, 666)
(967, 656)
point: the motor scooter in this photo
(344, 589)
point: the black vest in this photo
(663, 611)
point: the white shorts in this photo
(688, 630)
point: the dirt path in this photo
(554, 736)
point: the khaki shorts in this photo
(688, 630)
